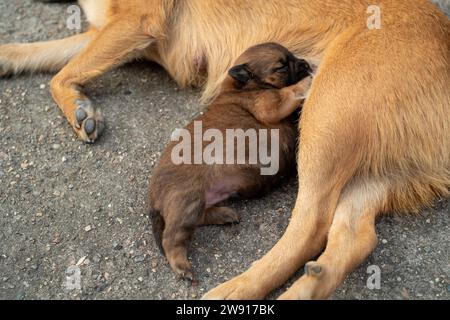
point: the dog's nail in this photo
(313, 269)
(80, 115)
(89, 126)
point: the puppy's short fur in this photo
(260, 92)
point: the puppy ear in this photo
(240, 73)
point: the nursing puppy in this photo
(260, 92)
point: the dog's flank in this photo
(259, 94)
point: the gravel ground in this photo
(64, 203)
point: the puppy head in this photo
(268, 66)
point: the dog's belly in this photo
(221, 191)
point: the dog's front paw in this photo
(238, 288)
(302, 88)
(89, 122)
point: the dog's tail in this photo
(158, 226)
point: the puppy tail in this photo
(158, 226)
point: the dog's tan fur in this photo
(374, 129)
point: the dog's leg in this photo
(113, 45)
(273, 106)
(49, 56)
(351, 239)
(292, 97)
(303, 239)
(218, 216)
(181, 215)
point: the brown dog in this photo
(259, 93)
(374, 128)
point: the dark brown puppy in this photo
(259, 94)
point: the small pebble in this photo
(80, 262)
(139, 259)
(87, 228)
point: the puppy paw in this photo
(301, 89)
(220, 216)
(186, 275)
(183, 270)
(89, 122)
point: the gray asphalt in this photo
(63, 202)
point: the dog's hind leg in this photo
(181, 213)
(351, 239)
(121, 39)
(48, 56)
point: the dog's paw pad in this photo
(88, 121)
(313, 269)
